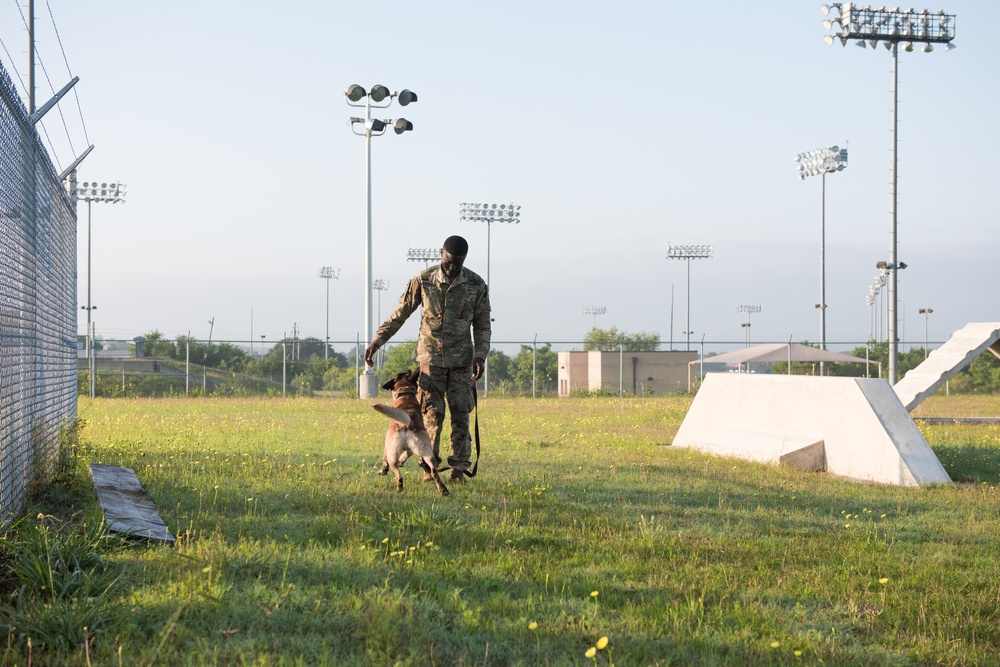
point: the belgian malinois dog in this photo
(406, 435)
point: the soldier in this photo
(454, 300)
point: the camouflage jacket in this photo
(449, 312)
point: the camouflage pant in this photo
(455, 385)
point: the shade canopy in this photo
(772, 352)
(775, 352)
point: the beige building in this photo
(624, 372)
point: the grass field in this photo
(585, 539)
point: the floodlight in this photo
(689, 252)
(367, 127)
(355, 92)
(820, 162)
(406, 96)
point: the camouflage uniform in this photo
(445, 349)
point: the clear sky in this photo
(619, 127)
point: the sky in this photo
(620, 128)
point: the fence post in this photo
(534, 348)
(284, 368)
(187, 369)
(621, 368)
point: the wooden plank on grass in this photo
(127, 507)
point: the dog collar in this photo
(403, 392)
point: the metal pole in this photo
(368, 230)
(93, 366)
(893, 263)
(534, 350)
(822, 270)
(31, 58)
(671, 317)
(926, 319)
(688, 332)
(822, 265)
(326, 348)
(90, 364)
(486, 361)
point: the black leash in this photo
(475, 406)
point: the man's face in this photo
(451, 265)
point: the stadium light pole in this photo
(595, 311)
(689, 252)
(489, 213)
(749, 309)
(328, 273)
(868, 26)
(107, 193)
(425, 255)
(368, 127)
(926, 312)
(820, 162)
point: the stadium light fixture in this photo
(926, 312)
(867, 26)
(689, 252)
(103, 193)
(820, 162)
(595, 311)
(425, 255)
(379, 97)
(749, 309)
(489, 213)
(328, 273)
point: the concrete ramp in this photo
(853, 427)
(945, 362)
(127, 507)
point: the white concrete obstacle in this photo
(946, 361)
(853, 427)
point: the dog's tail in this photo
(395, 414)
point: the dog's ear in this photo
(414, 375)
(388, 386)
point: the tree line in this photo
(307, 366)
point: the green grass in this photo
(293, 551)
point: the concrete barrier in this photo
(864, 431)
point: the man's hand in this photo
(478, 366)
(370, 354)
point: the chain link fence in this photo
(188, 367)
(38, 346)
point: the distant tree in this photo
(611, 339)
(541, 361)
(398, 359)
(157, 346)
(982, 376)
(498, 366)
